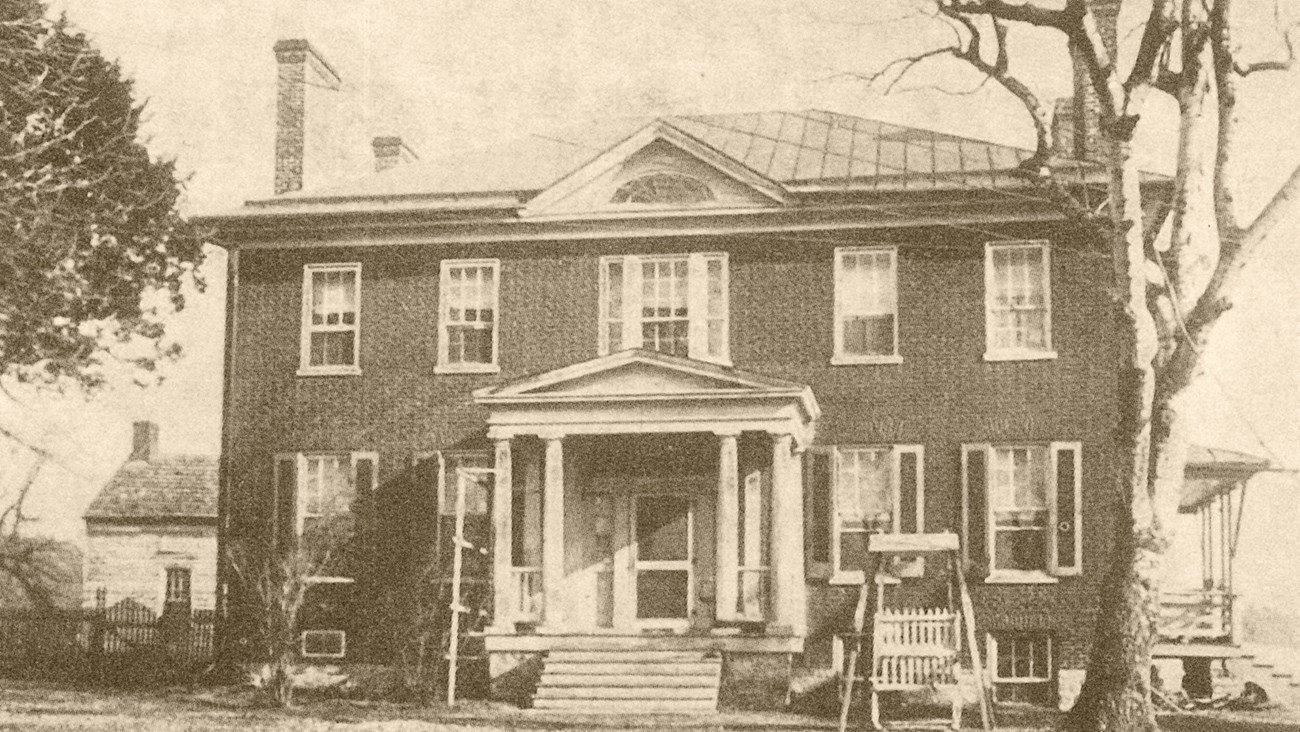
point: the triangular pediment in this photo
(634, 373)
(599, 186)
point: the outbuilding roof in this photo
(169, 486)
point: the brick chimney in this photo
(1083, 118)
(300, 66)
(390, 152)
(145, 445)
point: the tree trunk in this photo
(1115, 694)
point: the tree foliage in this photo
(90, 224)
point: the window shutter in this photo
(974, 510)
(908, 467)
(631, 302)
(817, 513)
(1064, 501)
(285, 519)
(364, 472)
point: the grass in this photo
(32, 705)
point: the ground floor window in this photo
(1022, 667)
(178, 586)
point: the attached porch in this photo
(645, 502)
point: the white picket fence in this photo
(915, 648)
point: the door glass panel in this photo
(661, 593)
(662, 529)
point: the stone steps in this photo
(658, 681)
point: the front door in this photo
(663, 541)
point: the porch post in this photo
(788, 604)
(728, 516)
(553, 530)
(505, 602)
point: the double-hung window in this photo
(674, 304)
(876, 490)
(468, 316)
(866, 305)
(331, 319)
(1022, 509)
(314, 500)
(1017, 301)
(178, 585)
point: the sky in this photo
(465, 72)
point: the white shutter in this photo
(631, 301)
(1065, 512)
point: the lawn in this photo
(29, 705)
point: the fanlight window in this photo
(663, 188)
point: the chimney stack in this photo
(145, 445)
(1085, 137)
(300, 65)
(390, 152)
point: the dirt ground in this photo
(27, 705)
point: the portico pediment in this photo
(644, 391)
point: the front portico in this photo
(641, 494)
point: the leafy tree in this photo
(1172, 283)
(88, 220)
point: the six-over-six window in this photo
(679, 304)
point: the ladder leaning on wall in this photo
(913, 648)
(453, 586)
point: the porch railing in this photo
(752, 591)
(1195, 615)
(526, 593)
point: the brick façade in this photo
(781, 289)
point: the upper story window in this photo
(675, 304)
(331, 319)
(663, 189)
(866, 305)
(1017, 301)
(467, 315)
(1023, 508)
(873, 487)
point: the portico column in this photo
(789, 609)
(553, 530)
(728, 516)
(506, 599)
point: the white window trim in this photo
(304, 346)
(856, 576)
(343, 644)
(991, 643)
(697, 281)
(839, 357)
(1052, 571)
(444, 366)
(300, 496)
(1017, 354)
(446, 491)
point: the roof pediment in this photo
(657, 148)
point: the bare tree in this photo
(35, 570)
(277, 580)
(1170, 286)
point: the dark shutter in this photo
(907, 491)
(365, 467)
(286, 500)
(976, 513)
(1066, 514)
(817, 510)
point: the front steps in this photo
(622, 681)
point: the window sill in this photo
(856, 578)
(842, 360)
(1019, 355)
(1020, 577)
(485, 368)
(318, 580)
(329, 371)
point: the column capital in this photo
(551, 435)
(728, 432)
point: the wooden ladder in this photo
(456, 603)
(913, 649)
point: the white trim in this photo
(455, 460)
(444, 365)
(1020, 577)
(340, 634)
(672, 565)
(991, 353)
(306, 328)
(991, 643)
(841, 576)
(841, 310)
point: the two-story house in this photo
(681, 368)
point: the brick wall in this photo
(943, 394)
